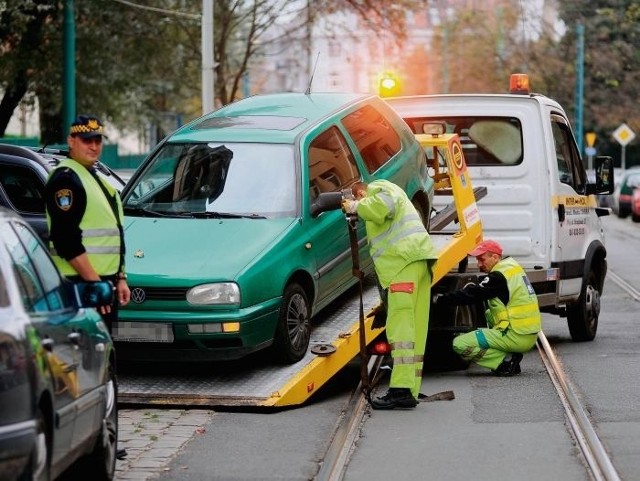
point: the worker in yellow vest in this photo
(403, 256)
(513, 315)
(84, 216)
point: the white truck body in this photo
(539, 205)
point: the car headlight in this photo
(218, 293)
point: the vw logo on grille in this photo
(137, 295)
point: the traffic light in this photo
(389, 85)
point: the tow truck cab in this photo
(540, 204)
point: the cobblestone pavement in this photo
(152, 437)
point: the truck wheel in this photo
(582, 317)
(293, 331)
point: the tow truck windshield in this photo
(234, 180)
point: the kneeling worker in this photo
(512, 313)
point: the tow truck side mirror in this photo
(604, 175)
(325, 202)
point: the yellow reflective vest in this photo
(396, 234)
(521, 313)
(99, 225)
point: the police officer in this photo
(512, 313)
(403, 255)
(84, 215)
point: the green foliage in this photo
(136, 64)
(611, 66)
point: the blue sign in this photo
(590, 151)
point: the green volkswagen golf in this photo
(224, 254)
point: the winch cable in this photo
(367, 386)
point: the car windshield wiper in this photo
(146, 212)
(225, 215)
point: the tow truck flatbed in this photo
(263, 384)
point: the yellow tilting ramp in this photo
(451, 178)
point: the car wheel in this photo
(439, 354)
(635, 217)
(100, 464)
(38, 467)
(423, 211)
(582, 317)
(293, 331)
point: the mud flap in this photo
(440, 396)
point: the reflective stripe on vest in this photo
(100, 233)
(521, 313)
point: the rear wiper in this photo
(225, 215)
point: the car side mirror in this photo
(94, 294)
(325, 202)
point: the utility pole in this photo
(208, 74)
(69, 68)
(579, 85)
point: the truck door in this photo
(575, 220)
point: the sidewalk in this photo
(152, 437)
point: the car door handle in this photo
(74, 338)
(47, 343)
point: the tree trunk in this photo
(10, 100)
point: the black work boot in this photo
(510, 366)
(396, 397)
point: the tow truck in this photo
(336, 338)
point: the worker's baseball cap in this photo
(486, 246)
(86, 127)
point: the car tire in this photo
(439, 354)
(100, 464)
(40, 460)
(293, 331)
(423, 211)
(635, 217)
(582, 316)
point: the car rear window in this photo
(484, 140)
(373, 135)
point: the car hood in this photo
(194, 250)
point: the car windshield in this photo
(216, 180)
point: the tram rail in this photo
(597, 459)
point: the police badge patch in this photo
(64, 199)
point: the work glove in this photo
(349, 206)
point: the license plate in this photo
(142, 332)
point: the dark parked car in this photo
(23, 175)
(57, 366)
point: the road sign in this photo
(590, 151)
(591, 139)
(623, 134)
